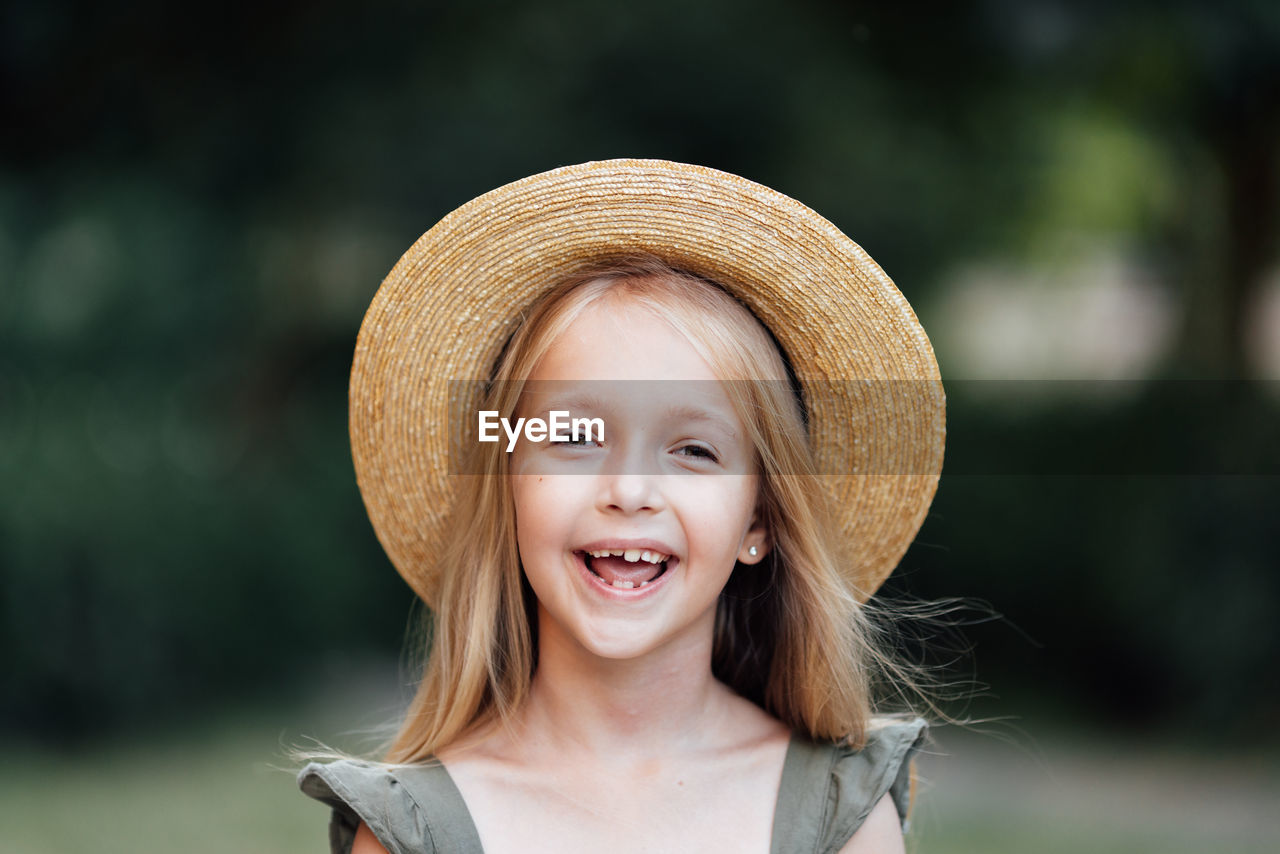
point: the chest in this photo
(720, 806)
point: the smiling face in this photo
(673, 487)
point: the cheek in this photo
(534, 492)
(731, 498)
(543, 505)
(525, 511)
(525, 497)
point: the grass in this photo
(218, 788)
(1105, 796)
(215, 792)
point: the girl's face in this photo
(628, 541)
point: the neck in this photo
(662, 703)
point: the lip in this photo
(623, 594)
(614, 545)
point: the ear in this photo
(757, 539)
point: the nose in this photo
(627, 487)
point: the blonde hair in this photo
(790, 633)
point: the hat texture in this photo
(866, 368)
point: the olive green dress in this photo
(826, 793)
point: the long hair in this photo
(790, 632)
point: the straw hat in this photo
(868, 373)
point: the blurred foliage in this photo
(1121, 559)
(197, 201)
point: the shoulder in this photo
(365, 842)
(832, 791)
(881, 833)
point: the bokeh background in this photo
(197, 202)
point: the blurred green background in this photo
(197, 202)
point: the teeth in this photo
(631, 555)
(626, 585)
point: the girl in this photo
(647, 636)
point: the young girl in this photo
(705, 427)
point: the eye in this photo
(580, 441)
(697, 452)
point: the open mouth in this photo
(626, 569)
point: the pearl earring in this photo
(753, 551)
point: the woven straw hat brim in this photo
(872, 385)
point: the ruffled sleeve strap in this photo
(359, 791)
(412, 809)
(828, 790)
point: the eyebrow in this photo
(574, 401)
(684, 412)
(697, 413)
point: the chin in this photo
(620, 640)
(618, 647)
